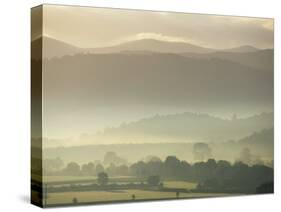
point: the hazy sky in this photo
(96, 27)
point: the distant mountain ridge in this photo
(57, 48)
(54, 48)
(214, 82)
(223, 83)
(191, 127)
(244, 48)
(264, 137)
(261, 59)
(153, 45)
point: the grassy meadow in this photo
(98, 196)
(122, 195)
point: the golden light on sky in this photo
(97, 27)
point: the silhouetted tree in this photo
(172, 166)
(201, 151)
(74, 200)
(122, 170)
(133, 197)
(88, 169)
(223, 164)
(111, 169)
(246, 156)
(52, 165)
(102, 178)
(153, 180)
(265, 188)
(72, 168)
(99, 168)
(112, 157)
(138, 169)
(218, 176)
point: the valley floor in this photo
(119, 196)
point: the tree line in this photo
(211, 175)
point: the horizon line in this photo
(154, 39)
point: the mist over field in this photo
(116, 88)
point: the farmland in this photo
(85, 179)
(122, 195)
(144, 181)
(169, 191)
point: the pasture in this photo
(97, 196)
(122, 195)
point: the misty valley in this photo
(179, 107)
(147, 171)
(116, 179)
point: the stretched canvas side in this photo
(36, 106)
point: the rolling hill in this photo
(241, 49)
(261, 59)
(188, 127)
(57, 48)
(260, 144)
(153, 45)
(54, 48)
(158, 79)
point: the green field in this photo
(119, 179)
(97, 196)
(179, 184)
(51, 179)
(122, 195)
(86, 179)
